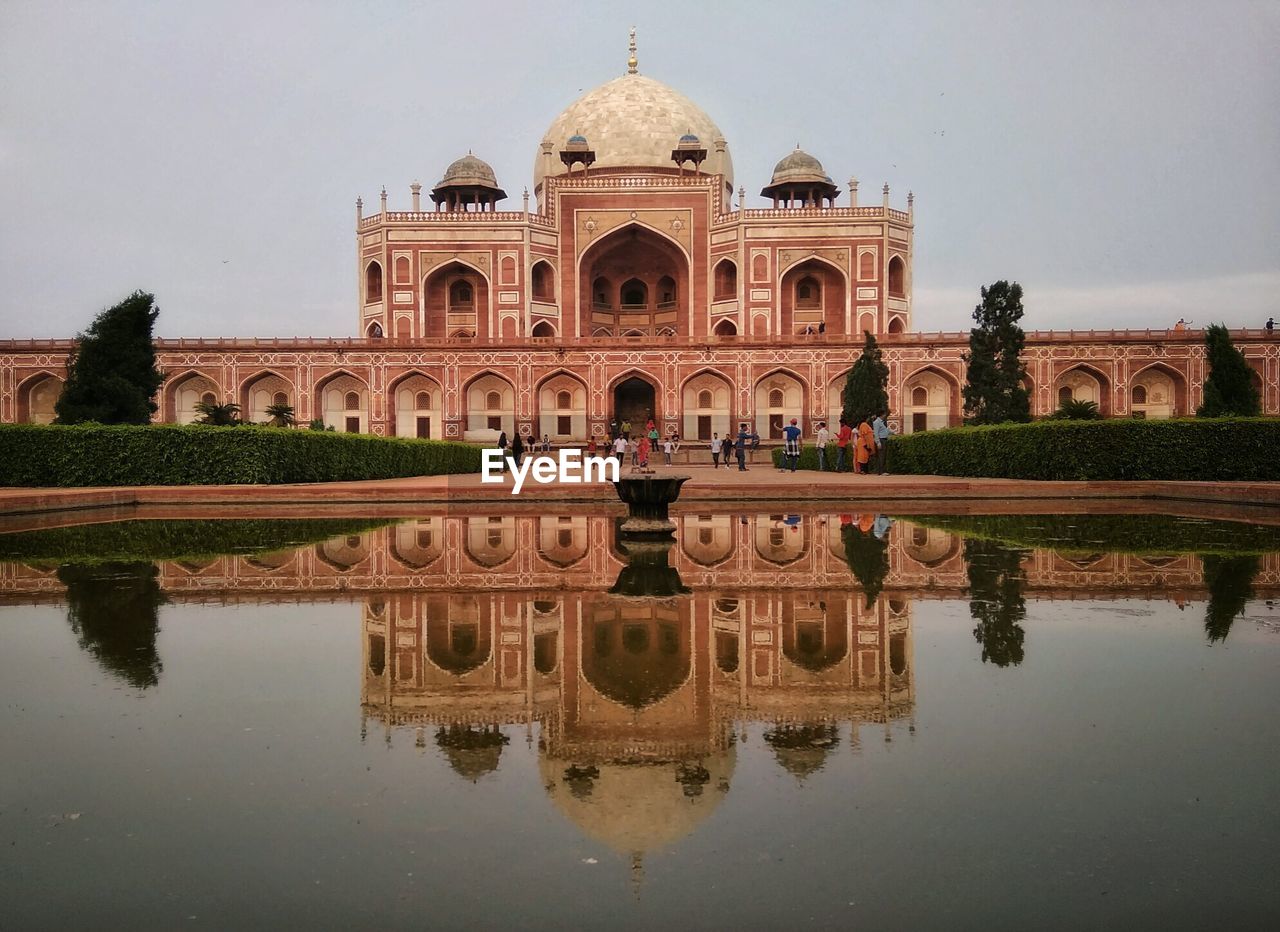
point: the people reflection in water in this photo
(1230, 584)
(866, 550)
(113, 609)
(996, 582)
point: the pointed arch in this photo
(37, 396)
(1075, 378)
(896, 276)
(490, 406)
(780, 395)
(724, 277)
(373, 282)
(418, 402)
(333, 400)
(726, 328)
(543, 330)
(261, 390)
(1165, 390)
(645, 260)
(940, 406)
(542, 281)
(444, 312)
(560, 421)
(183, 392)
(825, 309)
(706, 401)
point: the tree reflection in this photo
(1230, 584)
(867, 556)
(802, 749)
(113, 609)
(996, 580)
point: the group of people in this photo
(641, 446)
(863, 444)
(746, 439)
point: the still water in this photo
(814, 720)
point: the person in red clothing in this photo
(843, 437)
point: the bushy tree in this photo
(280, 415)
(1229, 389)
(112, 376)
(994, 392)
(865, 393)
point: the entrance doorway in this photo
(424, 427)
(633, 400)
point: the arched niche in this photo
(652, 293)
(455, 300)
(562, 408)
(344, 403)
(491, 408)
(779, 397)
(419, 406)
(814, 294)
(706, 401)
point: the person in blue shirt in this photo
(791, 444)
(740, 446)
(882, 433)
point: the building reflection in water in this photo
(637, 703)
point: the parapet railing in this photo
(887, 340)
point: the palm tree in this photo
(1076, 410)
(280, 415)
(219, 415)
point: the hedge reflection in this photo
(996, 581)
(1230, 584)
(113, 609)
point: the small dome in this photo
(799, 166)
(577, 143)
(688, 139)
(578, 138)
(469, 170)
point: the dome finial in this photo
(631, 61)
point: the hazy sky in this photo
(1118, 159)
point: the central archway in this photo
(634, 282)
(634, 400)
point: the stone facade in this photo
(635, 286)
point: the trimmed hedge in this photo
(43, 455)
(1204, 449)
(809, 457)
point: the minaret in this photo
(415, 189)
(853, 191)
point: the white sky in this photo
(1119, 160)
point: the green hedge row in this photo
(38, 455)
(1205, 449)
(809, 457)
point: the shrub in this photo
(1218, 450)
(168, 454)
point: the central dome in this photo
(633, 122)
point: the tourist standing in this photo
(667, 450)
(740, 447)
(626, 428)
(502, 448)
(716, 444)
(880, 428)
(634, 447)
(642, 452)
(620, 448)
(866, 446)
(791, 444)
(821, 441)
(843, 437)
(1271, 325)
(517, 450)
(591, 446)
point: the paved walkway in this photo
(757, 484)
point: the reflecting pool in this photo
(462, 720)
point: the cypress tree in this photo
(865, 394)
(112, 376)
(993, 392)
(1229, 389)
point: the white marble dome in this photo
(633, 122)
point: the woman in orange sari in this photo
(866, 446)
